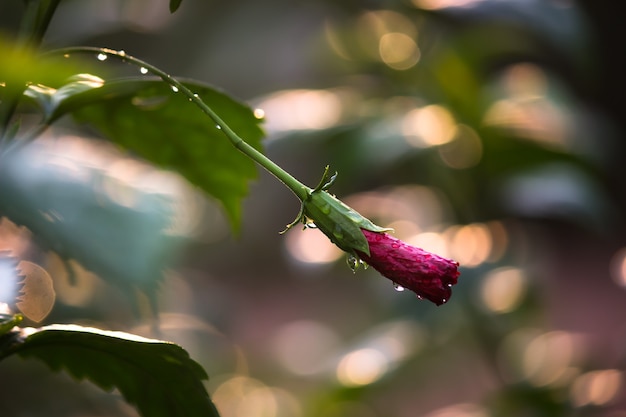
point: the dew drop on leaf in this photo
(37, 294)
(175, 89)
(218, 127)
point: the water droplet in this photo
(218, 127)
(259, 113)
(419, 297)
(175, 89)
(443, 301)
(196, 95)
(66, 55)
(395, 245)
(310, 225)
(102, 57)
(353, 262)
(121, 52)
(398, 288)
(143, 70)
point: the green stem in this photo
(35, 22)
(299, 189)
(33, 26)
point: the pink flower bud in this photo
(428, 275)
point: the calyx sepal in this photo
(339, 222)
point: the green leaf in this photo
(50, 99)
(158, 377)
(174, 5)
(147, 117)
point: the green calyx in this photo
(339, 222)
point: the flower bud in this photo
(428, 275)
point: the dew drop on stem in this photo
(101, 57)
(143, 70)
(175, 89)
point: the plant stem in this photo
(33, 26)
(299, 189)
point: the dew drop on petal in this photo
(395, 245)
(101, 57)
(398, 288)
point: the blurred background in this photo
(488, 131)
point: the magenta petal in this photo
(428, 275)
